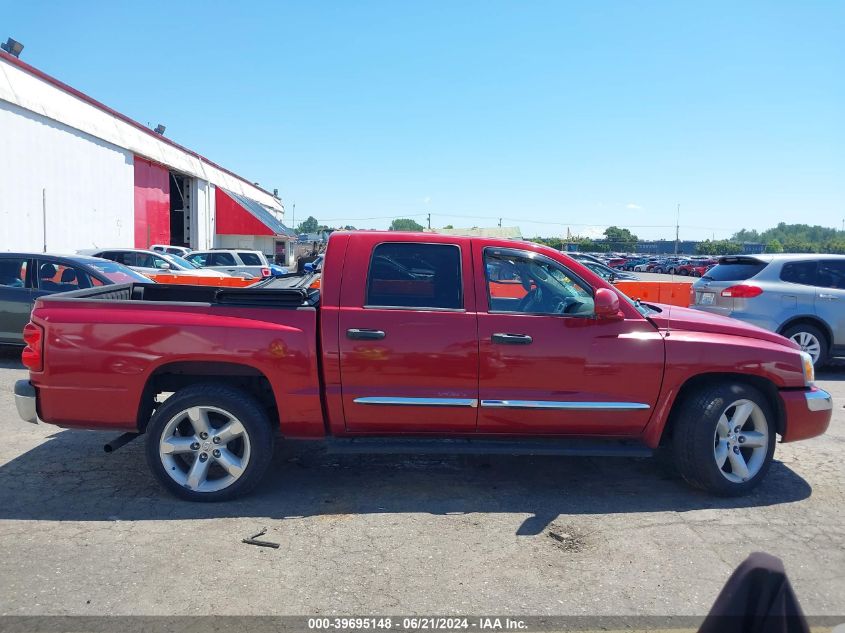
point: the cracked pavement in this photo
(88, 533)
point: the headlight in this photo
(809, 370)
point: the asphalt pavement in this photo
(88, 533)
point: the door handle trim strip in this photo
(567, 405)
(419, 402)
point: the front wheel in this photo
(209, 442)
(724, 438)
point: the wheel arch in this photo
(170, 377)
(765, 386)
(810, 320)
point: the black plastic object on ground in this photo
(757, 598)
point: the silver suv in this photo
(801, 297)
(240, 262)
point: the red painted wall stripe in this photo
(152, 203)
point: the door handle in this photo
(823, 295)
(511, 339)
(364, 334)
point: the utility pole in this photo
(677, 227)
(293, 216)
(429, 221)
(500, 222)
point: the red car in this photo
(416, 342)
(695, 268)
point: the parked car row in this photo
(638, 263)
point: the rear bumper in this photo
(808, 413)
(26, 400)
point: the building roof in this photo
(506, 232)
(27, 87)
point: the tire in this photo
(658, 270)
(683, 272)
(175, 446)
(812, 340)
(701, 439)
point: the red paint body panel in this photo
(152, 203)
(99, 355)
(233, 219)
(801, 424)
(94, 373)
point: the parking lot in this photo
(88, 533)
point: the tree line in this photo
(783, 238)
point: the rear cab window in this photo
(735, 269)
(416, 276)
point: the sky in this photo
(552, 116)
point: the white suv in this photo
(242, 263)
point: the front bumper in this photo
(25, 401)
(808, 413)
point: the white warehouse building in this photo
(75, 175)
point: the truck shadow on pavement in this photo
(69, 477)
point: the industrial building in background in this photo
(75, 174)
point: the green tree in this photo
(309, 225)
(448, 226)
(774, 246)
(405, 224)
(620, 236)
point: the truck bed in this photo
(269, 295)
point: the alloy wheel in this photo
(809, 343)
(741, 441)
(205, 449)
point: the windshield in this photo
(118, 273)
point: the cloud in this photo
(632, 205)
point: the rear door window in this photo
(735, 269)
(222, 259)
(831, 274)
(250, 259)
(13, 272)
(799, 273)
(54, 277)
(411, 275)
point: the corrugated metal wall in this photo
(88, 185)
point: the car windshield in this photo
(181, 262)
(118, 273)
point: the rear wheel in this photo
(209, 442)
(683, 271)
(724, 438)
(811, 339)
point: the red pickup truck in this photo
(416, 342)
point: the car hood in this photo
(677, 318)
